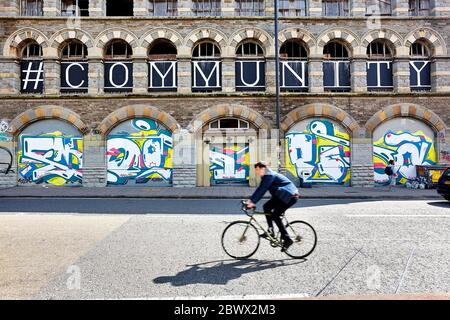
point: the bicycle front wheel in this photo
(240, 240)
(304, 237)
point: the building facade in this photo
(182, 93)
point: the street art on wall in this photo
(139, 152)
(52, 158)
(229, 163)
(321, 149)
(407, 149)
(4, 136)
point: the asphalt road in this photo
(52, 249)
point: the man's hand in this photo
(250, 204)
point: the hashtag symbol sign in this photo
(32, 75)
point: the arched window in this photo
(228, 123)
(206, 50)
(118, 67)
(293, 66)
(74, 67)
(162, 56)
(250, 67)
(378, 7)
(118, 49)
(336, 67)
(379, 66)
(74, 50)
(32, 68)
(249, 49)
(420, 66)
(32, 51)
(206, 67)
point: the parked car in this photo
(443, 187)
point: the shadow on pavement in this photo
(440, 204)
(221, 271)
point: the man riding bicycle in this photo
(284, 195)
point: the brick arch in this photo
(393, 38)
(206, 34)
(46, 112)
(228, 110)
(15, 40)
(406, 110)
(259, 35)
(298, 34)
(161, 33)
(344, 35)
(320, 110)
(135, 111)
(431, 36)
(61, 36)
(116, 33)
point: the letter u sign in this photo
(250, 75)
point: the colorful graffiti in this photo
(406, 149)
(322, 150)
(51, 158)
(229, 163)
(140, 154)
(4, 136)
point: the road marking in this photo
(398, 215)
(404, 271)
(234, 297)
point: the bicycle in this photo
(241, 239)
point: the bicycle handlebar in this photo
(248, 211)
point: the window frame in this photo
(340, 9)
(40, 9)
(112, 57)
(300, 11)
(201, 10)
(170, 12)
(214, 49)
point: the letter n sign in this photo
(206, 76)
(118, 76)
(250, 75)
(420, 75)
(74, 77)
(294, 75)
(162, 76)
(32, 76)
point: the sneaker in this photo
(286, 244)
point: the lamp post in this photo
(277, 64)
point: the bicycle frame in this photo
(251, 213)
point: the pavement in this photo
(225, 192)
(367, 249)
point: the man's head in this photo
(260, 168)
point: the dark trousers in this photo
(277, 207)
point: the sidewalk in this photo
(235, 192)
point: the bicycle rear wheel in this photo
(240, 239)
(304, 237)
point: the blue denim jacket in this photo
(278, 186)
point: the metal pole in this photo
(277, 63)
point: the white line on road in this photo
(398, 215)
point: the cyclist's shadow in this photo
(221, 271)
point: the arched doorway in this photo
(408, 141)
(50, 152)
(318, 151)
(139, 153)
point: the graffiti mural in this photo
(320, 148)
(4, 136)
(52, 158)
(139, 152)
(229, 163)
(407, 149)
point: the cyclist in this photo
(284, 195)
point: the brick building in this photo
(182, 93)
